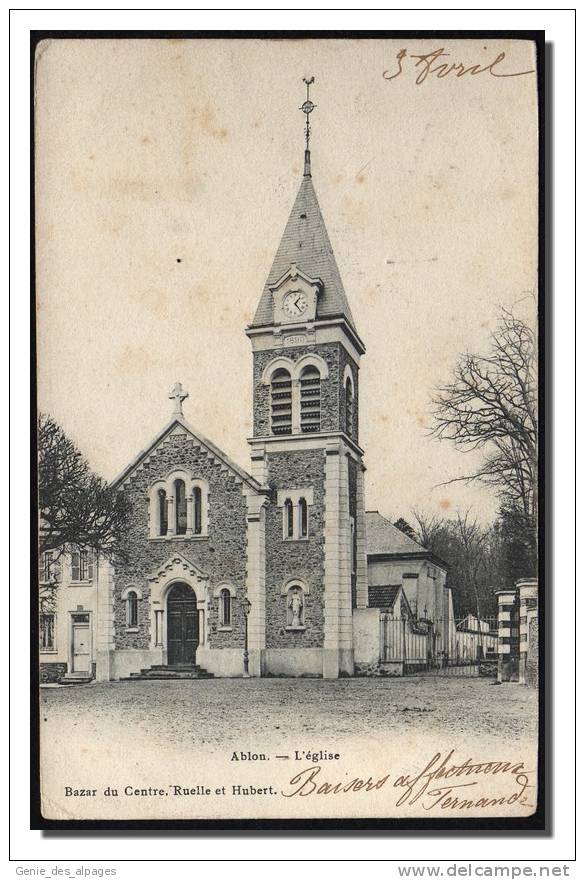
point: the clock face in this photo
(295, 304)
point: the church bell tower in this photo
(305, 447)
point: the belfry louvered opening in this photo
(310, 400)
(281, 400)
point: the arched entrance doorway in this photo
(182, 625)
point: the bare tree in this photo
(472, 539)
(76, 507)
(429, 528)
(491, 404)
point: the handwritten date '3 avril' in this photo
(431, 64)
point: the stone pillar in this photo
(256, 581)
(528, 610)
(190, 515)
(258, 468)
(171, 521)
(296, 406)
(338, 632)
(361, 546)
(507, 636)
(105, 620)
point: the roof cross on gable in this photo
(178, 395)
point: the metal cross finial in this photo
(178, 395)
(307, 108)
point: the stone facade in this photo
(302, 559)
(220, 555)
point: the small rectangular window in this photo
(82, 565)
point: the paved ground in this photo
(223, 710)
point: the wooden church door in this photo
(182, 625)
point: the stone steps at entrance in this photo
(75, 678)
(169, 673)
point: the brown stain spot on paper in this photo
(360, 178)
(133, 359)
(445, 504)
(145, 140)
(206, 119)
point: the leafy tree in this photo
(76, 507)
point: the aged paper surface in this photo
(380, 678)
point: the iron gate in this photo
(464, 646)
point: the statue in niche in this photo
(295, 604)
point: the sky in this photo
(165, 173)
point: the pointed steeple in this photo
(305, 242)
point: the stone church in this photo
(262, 572)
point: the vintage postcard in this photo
(287, 317)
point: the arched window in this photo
(348, 406)
(132, 609)
(310, 400)
(225, 608)
(281, 402)
(180, 508)
(288, 519)
(197, 511)
(303, 518)
(163, 520)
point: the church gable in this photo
(179, 428)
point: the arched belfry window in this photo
(310, 400)
(180, 507)
(281, 402)
(348, 406)
(163, 521)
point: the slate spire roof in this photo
(305, 242)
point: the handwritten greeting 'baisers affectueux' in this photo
(434, 786)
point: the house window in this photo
(348, 406)
(180, 508)
(289, 527)
(163, 518)
(303, 518)
(225, 608)
(49, 567)
(310, 400)
(132, 609)
(281, 402)
(47, 632)
(197, 511)
(82, 565)
(295, 608)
